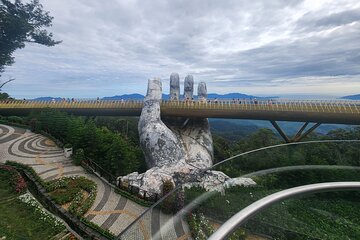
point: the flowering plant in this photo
(17, 181)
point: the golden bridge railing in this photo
(296, 106)
(348, 107)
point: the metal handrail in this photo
(242, 216)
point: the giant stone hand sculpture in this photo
(171, 141)
(176, 149)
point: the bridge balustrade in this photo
(348, 107)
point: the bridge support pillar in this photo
(299, 135)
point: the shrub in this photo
(134, 198)
(29, 170)
(16, 181)
(168, 205)
(16, 119)
(78, 157)
(70, 189)
(66, 189)
(200, 227)
(97, 228)
(35, 125)
(67, 145)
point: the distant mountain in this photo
(134, 96)
(235, 95)
(232, 131)
(167, 96)
(246, 126)
(352, 97)
(47, 99)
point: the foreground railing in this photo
(241, 217)
(219, 207)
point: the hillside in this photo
(352, 97)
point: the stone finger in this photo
(174, 87)
(202, 91)
(189, 87)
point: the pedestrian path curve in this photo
(110, 210)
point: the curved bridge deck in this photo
(341, 112)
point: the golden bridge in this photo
(340, 112)
(310, 111)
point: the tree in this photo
(21, 23)
(4, 96)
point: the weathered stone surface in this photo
(176, 149)
(202, 91)
(174, 86)
(151, 181)
(240, 181)
(189, 87)
(159, 143)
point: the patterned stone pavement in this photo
(110, 210)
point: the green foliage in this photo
(20, 220)
(231, 131)
(125, 126)
(112, 152)
(133, 198)
(15, 119)
(21, 23)
(35, 125)
(16, 181)
(314, 154)
(5, 120)
(66, 189)
(78, 157)
(29, 170)
(200, 227)
(239, 234)
(106, 233)
(320, 216)
(62, 196)
(67, 145)
(72, 189)
(168, 205)
(222, 148)
(4, 96)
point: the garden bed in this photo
(22, 217)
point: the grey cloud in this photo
(312, 22)
(114, 46)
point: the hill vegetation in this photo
(102, 140)
(113, 142)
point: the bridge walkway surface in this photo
(110, 210)
(341, 112)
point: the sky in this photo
(262, 47)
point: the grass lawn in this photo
(20, 220)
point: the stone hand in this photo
(177, 149)
(174, 142)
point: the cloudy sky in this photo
(111, 47)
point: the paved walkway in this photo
(110, 210)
